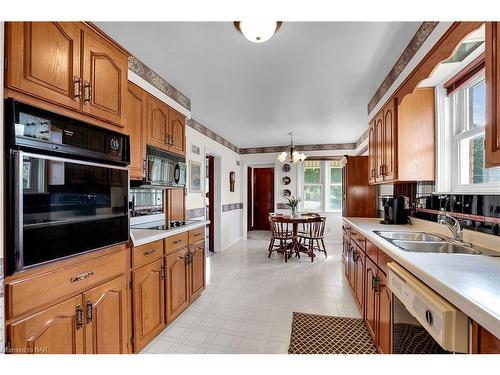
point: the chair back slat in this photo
(280, 228)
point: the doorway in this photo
(210, 201)
(263, 197)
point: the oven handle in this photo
(18, 209)
(74, 161)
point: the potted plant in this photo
(293, 204)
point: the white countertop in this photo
(144, 236)
(470, 282)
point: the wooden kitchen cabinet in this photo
(359, 287)
(178, 283)
(175, 204)
(106, 318)
(371, 273)
(372, 155)
(70, 64)
(389, 143)
(492, 71)
(384, 306)
(483, 341)
(197, 270)
(379, 146)
(135, 127)
(55, 330)
(358, 197)
(148, 303)
(176, 130)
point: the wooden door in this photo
(379, 144)
(389, 146)
(54, 330)
(197, 270)
(177, 284)
(492, 136)
(370, 298)
(359, 282)
(263, 204)
(104, 79)
(148, 303)
(372, 152)
(157, 128)
(43, 60)
(483, 341)
(106, 318)
(176, 131)
(175, 204)
(135, 127)
(384, 300)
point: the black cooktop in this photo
(162, 225)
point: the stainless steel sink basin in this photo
(410, 236)
(436, 247)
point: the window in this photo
(467, 105)
(322, 185)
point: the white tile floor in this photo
(248, 304)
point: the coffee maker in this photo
(395, 209)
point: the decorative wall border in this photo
(318, 147)
(192, 123)
(232, 206)
(416, 42)
(191, 213)
(150, 76)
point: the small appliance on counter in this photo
(395, 209)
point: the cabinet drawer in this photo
(372, 251)
(177, 242)
(27, 294)
(358, 239)
(144, 254)
(382, 260)
(196, 235)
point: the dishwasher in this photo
(422, 321)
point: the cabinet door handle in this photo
(81, 277)
(76, 88)
(90, 310)
(163, 272)
(150, 251)
(87, 92)
(79, 317)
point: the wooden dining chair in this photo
(312, 236)
(282, 232)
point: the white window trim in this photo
(325, 188)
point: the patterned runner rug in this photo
(321, 334)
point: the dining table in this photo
(295, 220)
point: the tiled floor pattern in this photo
(248, 304)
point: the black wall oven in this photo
(67, 187)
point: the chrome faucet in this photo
(456, 228)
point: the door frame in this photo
(217, 194)
(211, 201)
(249, 186)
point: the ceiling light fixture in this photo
(293, 156)
(257, 31)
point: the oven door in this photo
(63, 207)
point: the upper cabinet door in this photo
(104, 79)
(135, 127)
(372, 153)
(105, 310)
(157, 123)
(177, 132)
(43, 60)
(389, 145)
(379, 146)
(492, 136)
(55, 330)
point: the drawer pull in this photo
(150, 251)
(177, 241)
(81, 277)
(197, 234)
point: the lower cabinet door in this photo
(384, 342)
(148, 303)
(197, 271)
(177, 284)
(360, 281)
(105, 310)
(370, 298)
(352, 266)
(56, 330)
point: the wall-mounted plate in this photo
(286, 167)
(286, 193)
(286, 180)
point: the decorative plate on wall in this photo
(287, 193)
(286, 180)
(286, 167)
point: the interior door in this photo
(176, 132)
(148, 303)
(197, 277)
(106, 318)
(135, 126)
(263, 204)
(389, 147)
(55, 330)
(157, 123)
(104, 79)
(44, 60)
(177, 284)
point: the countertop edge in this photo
(483, 316)
(161, 234)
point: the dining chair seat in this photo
(312, 236)
(281, 236)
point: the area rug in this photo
(321, 334)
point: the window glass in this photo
(312, 197)
(312, 172)
(476, 105)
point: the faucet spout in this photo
(456, 228)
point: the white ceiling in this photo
(314, 78)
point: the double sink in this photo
(422, 242)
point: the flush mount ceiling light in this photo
(293, 156)
(257, 31)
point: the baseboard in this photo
(232, 243)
